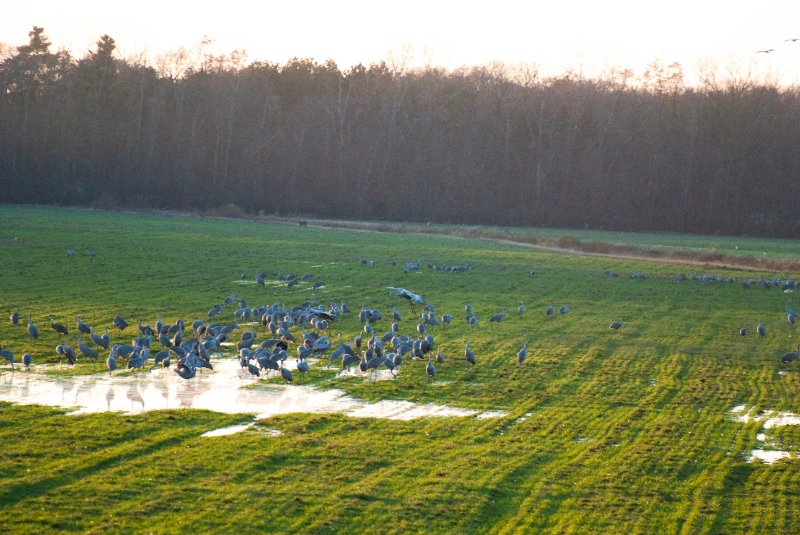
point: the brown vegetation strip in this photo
(565, 243)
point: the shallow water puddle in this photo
(768, 456)
(771, 420)
(230, 430)
(218, 390)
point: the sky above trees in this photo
(587, 37)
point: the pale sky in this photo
(587, 36)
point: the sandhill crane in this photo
(26, 360)
(411, 297)
(59, 328)
(286, 373)
(421, 325)
(14, 318)
(120, 322)
(615, 324)
(82, 327)
(468, 354)
(187, 372)
(430, 369)
(87, 351)
(160, 358)
(68, 352)
(761, 330)
(111, 361)
(789, 357)
(446, 319)
(8, 355)
(33, 330)
(523, 353)
(497, 318)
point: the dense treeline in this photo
(476, 145)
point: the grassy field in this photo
(605, 431)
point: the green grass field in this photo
(606, 431)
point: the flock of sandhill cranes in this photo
(193, 344)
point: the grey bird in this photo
(33, 330)
(468, 354)
(57, 327)
(411, 297)
(523, 353)
(789, 357)
(430, 369)
(111, 362)
(8, 355)
(82, 327)
(187, 372)
(286, 373)
(497, 318)
(87, 351)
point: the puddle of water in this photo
(771, 419)
(523, 417)
(218, 390)
(490, 414)
(780, 419)
(230, 430)
(768, 456)
(233, 429)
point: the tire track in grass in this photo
(741, 495)
(96, 461)
(538, 510)
(367, 494)
(588, 424)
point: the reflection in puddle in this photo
(771, 419)
(219, 390)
